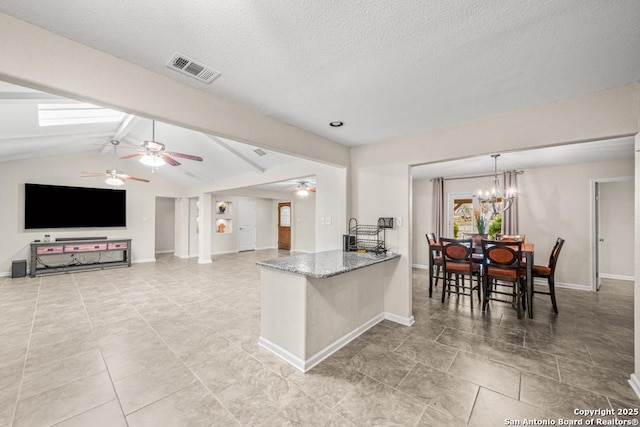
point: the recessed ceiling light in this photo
(336, 124)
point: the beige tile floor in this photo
(174, 343)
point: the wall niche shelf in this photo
(223, 208)
(224, 225)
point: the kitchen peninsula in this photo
(314, 304)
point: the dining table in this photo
(527, 254)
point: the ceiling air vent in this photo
(186, 65)
(260, 152)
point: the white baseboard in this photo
(283, 354)
(406, 321)
(140, 261)
(264, 248)
(302, 251)
(421, 266)
(7, 273)
(616, 277)
(170, 251)
(225, 252)
(306, 365)
(634, 382)
(543, 282)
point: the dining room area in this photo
(515, 262)
(582, 193)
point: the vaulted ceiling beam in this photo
(239, 155)
(129, 122)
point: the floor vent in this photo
(186, 65)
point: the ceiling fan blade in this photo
(185, 156)
(312, 189)
(169, 160)
(133, 178)
(92, 174)
(130, 156)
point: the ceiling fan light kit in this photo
(303, 189)
(115, 177)
(155, 154)
(152, 159)
(115, 181)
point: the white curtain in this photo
(510, 216)
(438, 208)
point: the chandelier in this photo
(494, 201)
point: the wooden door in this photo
(284, 225)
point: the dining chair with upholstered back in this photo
(548, 272)
(435, 256)
(457, 264)
(504, 274)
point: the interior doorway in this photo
(284, 225)
(165, 225)
(612, 221)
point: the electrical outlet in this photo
(327, 220)
(399, 221)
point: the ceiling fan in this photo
(155, 153)
(114, 176)
(303, 188)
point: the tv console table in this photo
(40, 251)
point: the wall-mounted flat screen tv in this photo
(56, 206)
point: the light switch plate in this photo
(327, 220)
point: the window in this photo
(75, 113)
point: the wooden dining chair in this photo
(435, 269)
(504, 274)
(548, 272)
(457, 264)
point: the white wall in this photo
(558, 204)
(385, 191)
(165, 224)
(331, 195)
(422, 221)
(616, 229)
(303, 231)
(331, 204)
(194, 227)
(553, 202)
(266, 224)
(65, 170)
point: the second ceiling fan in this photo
(155, 153)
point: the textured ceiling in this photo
(385, 68)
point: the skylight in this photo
(75, 113)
